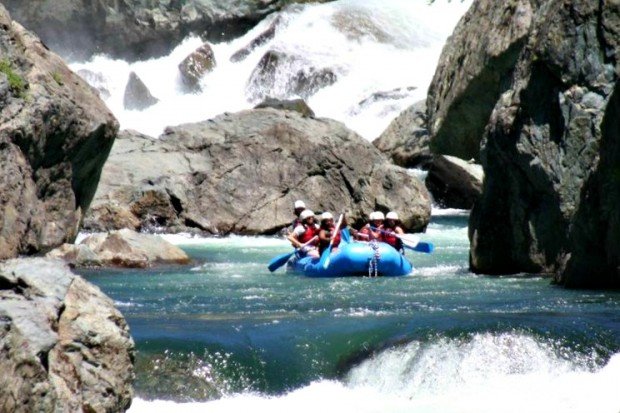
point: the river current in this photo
(224, 335)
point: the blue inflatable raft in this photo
(355, 259)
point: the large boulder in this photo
(551, 151)
(63, 345)
(198, 63)
(281, 75)
(474, 69)
(55, 135)
(123, 248)
(136, 29)
(453, 182)
(406, 139)
(241, 173)
(137, 96)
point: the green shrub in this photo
(16, 82)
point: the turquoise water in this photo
(224, 332)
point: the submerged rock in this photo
(280, 75)
(258, 41)
(200, 62)
(406, 140)
(137, 95)
(240, 173)
(55, 135)
(123, 248)
(453, 182)
(63, 345)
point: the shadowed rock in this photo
(297, 105)
(406, 139)
(454, 182)
(55, 135)
(137, 95)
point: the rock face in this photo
(297, 105)
(55, 135)
(63, 345)
(136, 29)
(241, 173)
(137, 95)
(474, 69)
(454, 182)
(124, 248)
(550, 151)
(406, 140)
(195, 66)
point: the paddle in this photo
(280, 260)
(325, 258)
(411, 241)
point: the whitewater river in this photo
(225, 335)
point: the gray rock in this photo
(258, 41)
(137, 95)
(275, 76)
(136, 29)
(474, 69)
(453, 182)
(200, 62)
(240, 173)
(96, 80)
(297, 105)
(124, 248)
(406, 139)
(63, 345)
(56, 134)
(550, 152)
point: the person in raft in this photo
(326, 232)
(305, 234)
(367, 233)
(298, 207)
(390, 228)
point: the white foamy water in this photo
(370, 45)
(509, 372)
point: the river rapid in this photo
(225, 335)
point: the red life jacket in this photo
(323, 244)
(388, 237)
(311, 232)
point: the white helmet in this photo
(326, 215)
(379, 216)
(300, 204)
(371, 216)
(392, 215)
(306, 213)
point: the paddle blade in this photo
(426, 247)
(279, 261)
(324, 261)
(346, 235)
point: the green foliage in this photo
(16, 82)
(58, 78)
